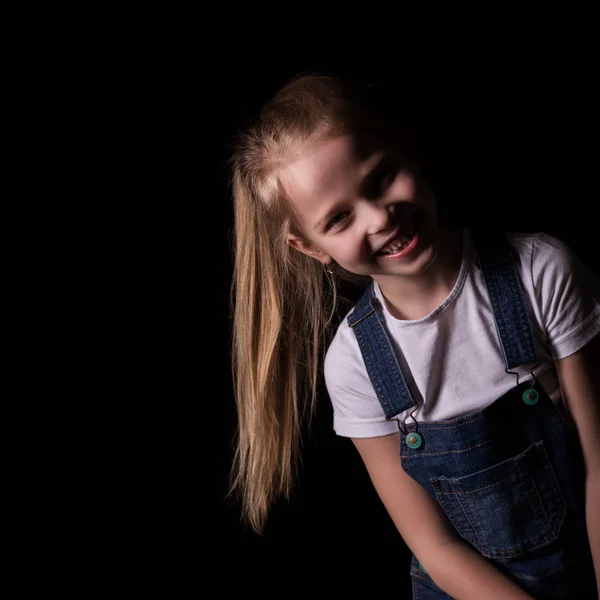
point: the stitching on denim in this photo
(492, 289)
(539, 497)
(485, 550)
(525, 335)
(543, 576)
(419, 575)
(473, 528)
(513, 329)
(418, 454)
(382, 365)
(391, 361)
(556, 489)
(485, 487)
(415, 592)
(471, 420)
(512, 554)
(371, 364)
(527, 577)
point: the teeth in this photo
(400, 242)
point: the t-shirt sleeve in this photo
(568, 294)
(356, 408)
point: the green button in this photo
(413, 440)
(530, 396)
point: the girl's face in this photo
(362, 209)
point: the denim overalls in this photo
(509, 477)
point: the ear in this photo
(304, 246)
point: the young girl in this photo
(466, 374)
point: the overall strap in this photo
(378, 354)
(495, 260)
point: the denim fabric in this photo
(500, 276)
(379, 356)
(510, 477)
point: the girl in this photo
(466, 374)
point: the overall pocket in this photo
(508, 509)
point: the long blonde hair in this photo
(282, 299)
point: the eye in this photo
(386, 179)
(337, 220)
(381, 179)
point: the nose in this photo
(377, 217)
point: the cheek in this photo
(404, 186)
(351, 249)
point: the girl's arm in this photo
(579, 376)
(463, 573)
(455, 567)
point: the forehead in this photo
(326, 172)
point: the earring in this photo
(328, 268)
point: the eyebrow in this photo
(367, 180)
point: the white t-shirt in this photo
(451, 359)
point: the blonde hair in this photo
(281, 303)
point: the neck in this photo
(414, 297)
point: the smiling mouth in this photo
(405, 241)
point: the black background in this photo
(125, 316)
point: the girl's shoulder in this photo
(543, 254)
(538, 241)
(342, 346)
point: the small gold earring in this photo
(328, 268)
